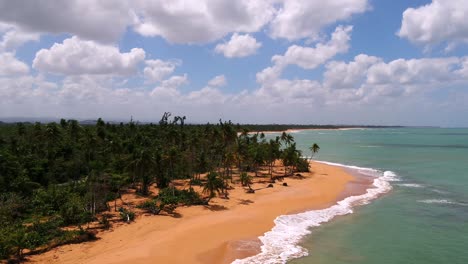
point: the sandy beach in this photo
(219, 233)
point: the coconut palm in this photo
(314, 149)
(214, 184)
(245, 179)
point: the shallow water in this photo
(424, 219)
(420, 216)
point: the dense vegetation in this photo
(66, 174)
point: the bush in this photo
(126, 215)
(172, 195)
(245, 179)
(302, 165)
(106, 224)
(197, 182)
(150, 206)
(72, 211)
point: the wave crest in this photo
(281, 243)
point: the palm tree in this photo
(314, 149)
(214, 184)
(245, 179)
(142, 166)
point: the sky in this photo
(355, 62)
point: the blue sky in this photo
(267, 61)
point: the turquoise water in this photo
(423, 219)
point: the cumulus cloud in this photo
(435, 23)
(200, 21)
(168, 89)
(342, 75)
(12, 38)
(178, 21)
(239, 46)
(298, 19)
(75, 57)
(218, 81)
(10, 66)
(158, 70)
(369, 78)
(207, 95)
(311, 58)
(308, 57)
(103, 21)
(414, 71)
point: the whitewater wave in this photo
(281, 243)
(441, 201)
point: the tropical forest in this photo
(60, 181)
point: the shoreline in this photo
(293, 130)
(226, 230)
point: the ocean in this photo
(417, 212)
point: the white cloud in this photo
(207, 95)
(168, 90)
(10, 66)
(178, 21)
(218, 81)
(12, 38)
(298, 19)
(311, 58)
(342, 75)
(436, 23)
(414, 71)
(103, 21)
(307, 57)
(463, 71)
(200, 21)
(239, 46)
(158, 70)
(75, 57)
(370, 79)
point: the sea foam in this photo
(282, 242)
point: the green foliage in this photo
(174, 196)
(106, 224)
(68, 172)
(197, 182)
(302, 165)
(245, 179)
(12, 207)
(214, 184)
(126, 215)
(73, 210)
(150, 206)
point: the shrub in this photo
(105, 221)
(245, 179)
(197, 182)
(172, 195)
(302, 165)
(126, 215)
(150, 206)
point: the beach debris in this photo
(270, 185)
(285, 184)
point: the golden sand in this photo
(219, 233)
